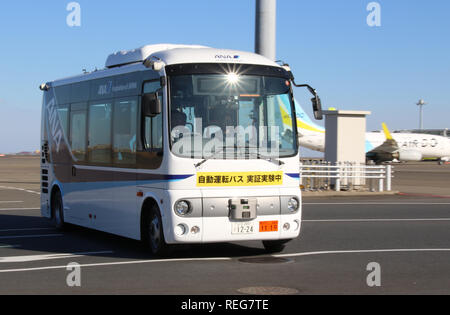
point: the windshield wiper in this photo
(257, 154)
(211, 157)
(261, 157)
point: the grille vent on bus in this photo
(44, 181)
(45, 152)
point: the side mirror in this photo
(317, 104)
(317, 107)
(151, 106)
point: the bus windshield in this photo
(231, 115)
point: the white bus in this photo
(142, 149)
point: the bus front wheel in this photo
(155, 234)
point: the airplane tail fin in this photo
(304, 122)
(387, 132)
(390, 141)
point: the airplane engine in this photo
(380, 157)
(410, 156)
(444, 160)
(402, 155)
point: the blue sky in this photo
(327, 43)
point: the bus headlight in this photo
(183, 207)
(293, 204)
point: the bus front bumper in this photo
(211, 222)
(222, 229)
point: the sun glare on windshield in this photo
(232, 78)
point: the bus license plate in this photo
(268, 226)
(243, 228)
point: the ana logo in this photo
(227, 57)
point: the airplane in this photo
(380, 146)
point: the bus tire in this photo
(58, 210)
(154, 233)
(275, 246)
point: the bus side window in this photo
(153, 133)
(124, 131)
(153, 126)
(152, 86)
(99, 145)
(63, 112)
(78, 131)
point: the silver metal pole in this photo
(420, 104)
(389, 177)
(381, 185)
(265, 31)
(421, 117)
(338, 184)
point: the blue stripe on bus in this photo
(177, 177)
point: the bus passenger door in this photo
(73, 198)
(124, 214)
(98, 179)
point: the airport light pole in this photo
(421, 103)
(265, 31)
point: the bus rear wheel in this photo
(58, 211)
(154, 233)
(275, 246)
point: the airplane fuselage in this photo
(429, 146)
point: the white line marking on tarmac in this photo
(133, 262)
(19, 209)
(30, 258)
(377, 203)
(374, 251)
(21, 189)
(378, 220)
(30, 236)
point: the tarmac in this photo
(422, 178)
(407, 235)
